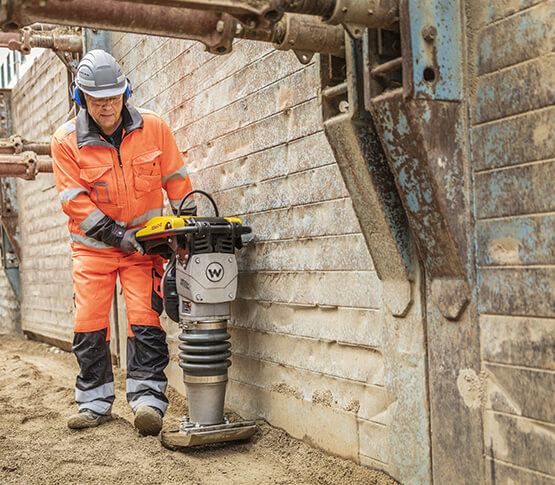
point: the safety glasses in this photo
(103, 101)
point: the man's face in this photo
(106, 112)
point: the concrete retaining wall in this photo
(513, 153)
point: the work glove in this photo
(129, 244)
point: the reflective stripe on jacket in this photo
(94, 179)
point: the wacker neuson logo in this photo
(214, 272)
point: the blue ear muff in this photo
(77, 97)
(128, 91)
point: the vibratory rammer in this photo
(198, 286)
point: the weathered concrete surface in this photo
(512, 156)
(308, 331)
(518, 340)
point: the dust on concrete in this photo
(36, 447)
(324, 398)
(283, 388)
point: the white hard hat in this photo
(99, 75)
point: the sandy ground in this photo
(36, 447)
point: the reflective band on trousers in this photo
(99, 407)
(136, 385)
(146, 400)
(101, 392)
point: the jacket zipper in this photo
(123, 176)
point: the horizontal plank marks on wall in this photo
(498, 472)
(524, 87)
(343, 289)
(519, 292)
(508, 391)
(286, 126)
(367, 401)
(518, 340)
(288, 158)
(521, 441)
(330, 253)
(527, 240)
(345, 325)
(307, 220)
(494, 144)
(533, 185)
(516, 39)
(322, 183)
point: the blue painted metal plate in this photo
(443, 54)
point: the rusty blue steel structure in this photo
(410, 81)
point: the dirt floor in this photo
(36, 447)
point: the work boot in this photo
(148, 421)
(87, 419)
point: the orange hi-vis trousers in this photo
(94, 276)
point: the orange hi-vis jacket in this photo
(95, 179)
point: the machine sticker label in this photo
(214, 272)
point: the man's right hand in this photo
(129, 244)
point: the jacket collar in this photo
(88, 132)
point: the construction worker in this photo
(110, 164)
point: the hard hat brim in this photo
(104, 93)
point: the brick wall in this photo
(314, 352)
(513, 153)
(40, 105)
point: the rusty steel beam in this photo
(213, 29)
(259, 14)
(254, 14)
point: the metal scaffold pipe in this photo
(15, 144)
(125, 17)
(302, 33)
(374, 14)
(25, 165)
(27, 38)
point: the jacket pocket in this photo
(101, 183)
(146, 172)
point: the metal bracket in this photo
(414, 97)
(359, 154)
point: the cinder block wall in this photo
(312, 350)
(513, 151)
(40, 104)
